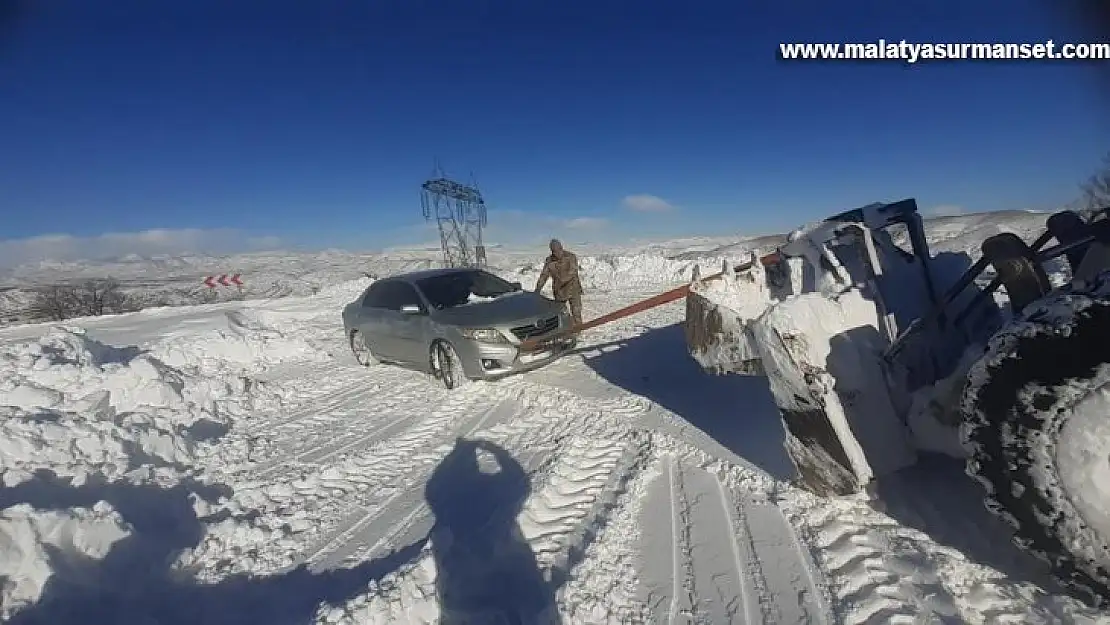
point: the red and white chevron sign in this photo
(224, 279)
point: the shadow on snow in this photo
(934, 496)
(135, 584)
(486, 570)
(937, 497)
(738, 412)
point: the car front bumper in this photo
(487, 361)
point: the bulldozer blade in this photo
(716, 340)
(812, 439)
(825, 370)
(718, 310)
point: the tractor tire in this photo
(1036, 413)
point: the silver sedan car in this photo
(456, 324)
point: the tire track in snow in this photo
(388, 521)
(563, 518)
(360, 422)
(674, 593)
(624, 407)
(532, 441)
(714, 553)
(878, 576)
(605, 587)
(585, 477)
(336, 385)
(404, 464)
(415, 519)
(624, 403)
(339, 396)
(882, 571)
(303, 384)
(721, 585)
(307, 509)
(785, 575)
(302, 393)
(320, 506)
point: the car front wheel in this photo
(446, 365)
(361, 349)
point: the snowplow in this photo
(877, 350)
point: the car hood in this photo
(520, 306)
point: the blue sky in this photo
(313, 123)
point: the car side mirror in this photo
(517, 286)
(410, 309)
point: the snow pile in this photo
(81, 422)
(642, 272)
(32, 543)
(247, 342)
(734, 248)
(966, 233)
(79, 407)
(344, 291)
(312, 321)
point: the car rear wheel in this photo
(447, 366)
(361, 349)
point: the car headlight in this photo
(485, 335)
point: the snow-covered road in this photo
(250, 471)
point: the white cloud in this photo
(586, 223)
(945, 210)
(646, 203)
(264, 243)
(66, 247)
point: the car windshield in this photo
(463, 287)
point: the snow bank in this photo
(643, 272)
(345, 291)
(78, 416)
(73, 536)
(247, 343)
(76, 406)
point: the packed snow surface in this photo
(231, 463)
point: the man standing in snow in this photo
(561, 267)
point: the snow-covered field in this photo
(230, 463)
(179, 280)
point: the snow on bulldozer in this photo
(876, 350)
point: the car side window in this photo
(404, 294)
(375, 295)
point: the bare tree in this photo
(91, 298)
(1096, 191)
(55, 302)
(99, 297)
